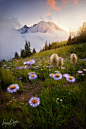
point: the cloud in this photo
(52, 5)
(41, 18)
(48, 15)
(76, 1)
(10, 40)
(65, 1)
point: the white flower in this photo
(13, 88)
(22, 67)
(57, 71)
(31, 73)
(62, 67)
(65, 75)
(25, 63)
(31, 61)
(84, 69)
(57, 76)
(57, 98)
(61, 100)
(34, 102)
(80, 71)
(70, 79)
(51, 74)
(32, 76)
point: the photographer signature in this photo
(10, 123)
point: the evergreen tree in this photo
(49, 46)
(69, 39)
(16, 55)
(46, 46)
(22, 53)
(34, 51)
(29, 49)
(26, 46)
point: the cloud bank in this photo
(12, 41)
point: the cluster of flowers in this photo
(32, 75)
(59, 76)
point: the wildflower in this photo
(73, 58)
(83, 74)
(19, 78)
(31, 62)
(57, 98)
(62, 67)
(13, 88)
(57, 71)
(51, 75)
(54, 59)
(60, 62)
(31, 73)
(65, 75)
(61, 100)
(22, 67)
(70, 79)
(25, 63)
(57, 76)
(5, 65)
(84, 69)
(34, 102)
(32, 76)
(80, 71)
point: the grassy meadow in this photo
(62, 103)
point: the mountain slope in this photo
(42, 26)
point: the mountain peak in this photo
(42, 26)
(25, 26)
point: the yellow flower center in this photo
(30, 61)
(12, 87)
(57, 75)
(51, 74)
(32, 75)
(22, 66)
(34, 101)
(70, 78)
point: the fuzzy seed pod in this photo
(73, 58)
(54, 59)
(60, 62)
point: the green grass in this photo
(66, 112)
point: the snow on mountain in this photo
(39, 33)
(42, 27)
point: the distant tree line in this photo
(81, 36)
(26, 52)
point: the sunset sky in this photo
(64, 13)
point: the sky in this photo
(64, 13)
(14, 14)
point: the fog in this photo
(12, 41)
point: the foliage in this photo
(16, 55)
